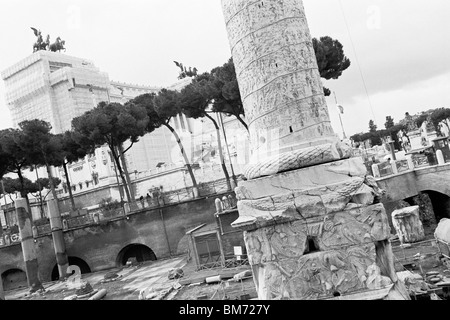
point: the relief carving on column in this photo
(279, 81)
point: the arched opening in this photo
(14, 279)
(84, 267)
(433, 206)
(138, 251)
(441, 204)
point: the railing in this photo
(402, 165)
(420, 161)
(231, 262)
(388, 168)
(74, 222)
(179, 195)
(161, 199)
(213, 187)
(44, 229)
(385, 169)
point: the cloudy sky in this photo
(399, 48)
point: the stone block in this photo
(320, 275)
(442, 231)
(302, 179)
(295, 205)
(359, 226)
(407, 223)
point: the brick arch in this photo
(140, 251)
(440, 187)
(14, 278)
(73, 260)
(440, 202)
(433, 179)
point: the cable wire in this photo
(357, 62)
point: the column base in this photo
(315, 233)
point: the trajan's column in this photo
(314, 225)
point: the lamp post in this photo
(340, 110)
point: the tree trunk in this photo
(219, 146)
(24, 194)
(52, 185)
(41, 201)
(125, 170)
(72, 201)
(228, 150)
(241, 121)
(186, 160)
(117, 179)
(124, 180)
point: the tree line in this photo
(399, 132)
(33, 144)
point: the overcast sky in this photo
(402, 46)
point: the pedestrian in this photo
(142, 200)
(149, 199)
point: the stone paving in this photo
(133, 280)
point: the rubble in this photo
(175, 273)
(154, 293)
(99, 295)
(110, 276)
(242, 275)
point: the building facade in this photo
(56, 87)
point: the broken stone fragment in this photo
(320, 275)
(301, 205)
(302, 179)
(358, 226)
(442, 231)
(407, 223)
(241, 275)
(175, 273)
(365, 195)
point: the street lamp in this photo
(341, 110)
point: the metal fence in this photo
(420, 161)
(213, 187)
(407, 254)
(226, 263)
(177, 196)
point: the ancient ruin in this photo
(407, 224)
(314, 227)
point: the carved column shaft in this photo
(314, 228)
(278, 76)
(58, 237)
(27, 242)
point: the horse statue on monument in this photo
(40, 44)
(58, 45)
